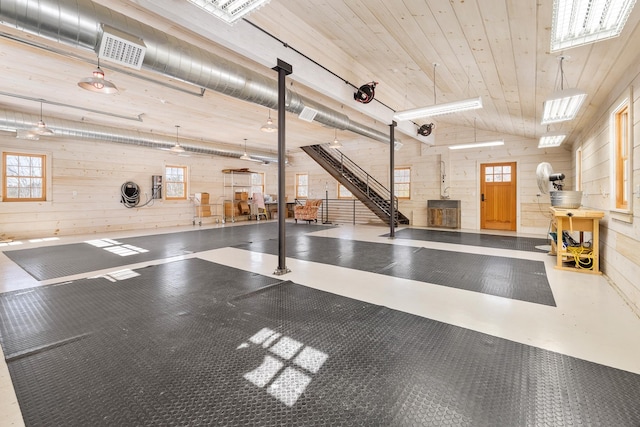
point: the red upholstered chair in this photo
(309, 211)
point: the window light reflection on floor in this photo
(287, 371)
(116, 247)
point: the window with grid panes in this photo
(257, 183)
(622, 157)
(497, 174)
(302, 186)
(24, 177)
(175, 182)
(402, 183)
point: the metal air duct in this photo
(11, 120)
(79, 23)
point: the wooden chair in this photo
(309, 211)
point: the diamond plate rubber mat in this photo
(66, 260)
(197, 343)
(472, 239)
(513, 278)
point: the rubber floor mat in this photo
(66, 260)
(472, 239)
(513, 278)
(197, 343)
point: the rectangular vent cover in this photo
(121, 48)
(307, 114)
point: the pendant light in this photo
(245, 156)
(269, 127)
(97, 83)
(562, 105)
(335, 143)
(177, 148)
(475, 143)
(551, 139)
(438, 109)
(41, 128)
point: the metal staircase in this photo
(366, 188)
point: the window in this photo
(579, 169)
(622, 164)
(24, 177)
(302, 186)
(257, 183)
(343, 193)
(402, 183)
(497, 174)
(176, 182)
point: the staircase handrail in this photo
(363, 175)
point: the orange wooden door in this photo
(498, 196)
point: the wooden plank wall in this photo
(619, 234)
(84, 188)
(461, 169)
(87, 176)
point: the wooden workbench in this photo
(581, 220)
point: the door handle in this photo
(482, 197)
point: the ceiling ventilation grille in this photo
(121, 48)
(229, 10)
(307, 114)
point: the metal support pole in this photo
(283, 70)
(392, 207)
(325, 206)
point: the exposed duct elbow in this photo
(79, 23)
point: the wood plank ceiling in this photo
(496, 49)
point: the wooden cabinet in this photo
(443, 213)
(584, 255)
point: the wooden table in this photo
(581, 220)
(272, 209)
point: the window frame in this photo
(622, 157)
(185, 182)
(44, 178)
(396, 183)
(579, 167)
(340, 189)
(255, 186)
(298, 186)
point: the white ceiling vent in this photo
(307, 114)
(121, 48)
(229, 10)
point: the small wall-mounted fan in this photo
(366, 93)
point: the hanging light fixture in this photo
(475, 143)
(245, 156)
(579, 22)
(269, 127)
(438, 109)
(335, 143)
(41, 128)
(562, 105)
(551, 139)
(177, 148)
(97, 83)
